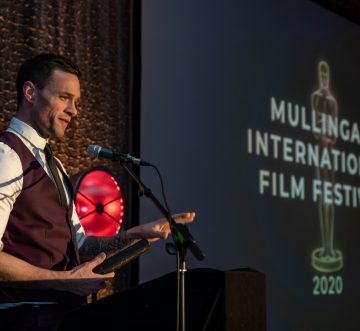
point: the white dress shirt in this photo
(11, 174)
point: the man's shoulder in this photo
(6, 142)
(18, 145)
(7, 154)
(10, 167)
(10, 138)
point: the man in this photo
(43, 245)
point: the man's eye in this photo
(63, 97)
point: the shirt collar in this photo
(28, 133)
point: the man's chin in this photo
(61, 136)
(58, 134)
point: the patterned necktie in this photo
(54, 170)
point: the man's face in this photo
(55, 104)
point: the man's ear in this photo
(29, 91)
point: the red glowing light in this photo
(99, 203)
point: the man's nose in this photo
(72, 109)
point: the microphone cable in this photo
(162, 187)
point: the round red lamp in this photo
(99, 203)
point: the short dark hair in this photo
(39, 68)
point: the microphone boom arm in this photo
(180, 232)
(183, 240)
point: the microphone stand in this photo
(183, 240)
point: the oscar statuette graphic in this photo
(326, 258)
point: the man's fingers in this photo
(184, 217)
(98, 259)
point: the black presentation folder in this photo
(123, 256)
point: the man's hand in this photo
(80, 280)
(90, 282)
(159, 229)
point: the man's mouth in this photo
(65, 121)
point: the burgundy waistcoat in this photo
(39, 229)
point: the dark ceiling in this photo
(347, 8)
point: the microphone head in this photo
(94, 150)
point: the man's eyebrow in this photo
(69, 95)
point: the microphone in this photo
(101, 152)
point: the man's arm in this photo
(151, 231)
(81, 280)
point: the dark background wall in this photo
(209, 72)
